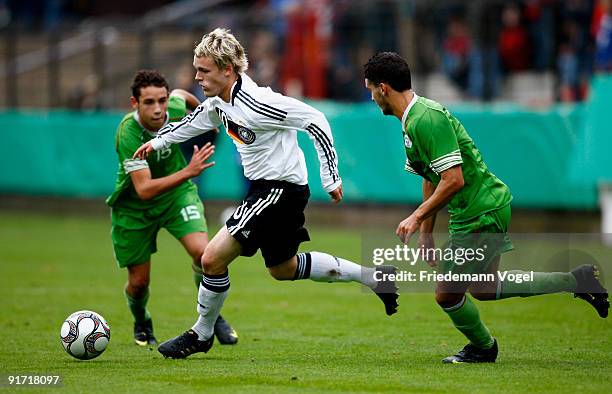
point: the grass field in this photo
(294, 337)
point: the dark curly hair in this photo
(144, 78)
(390, 68)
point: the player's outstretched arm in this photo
(450, 183)
(148, 187)
(202, 120)
(143, 151)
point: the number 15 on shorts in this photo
(190, 212)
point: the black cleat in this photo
(143, 333)
(473, 354)
(225, 334)
(185, 345)
(590, 289)
(386, 289)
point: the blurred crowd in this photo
(571, 38)
(316, 48)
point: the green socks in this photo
(197, 278)
(138, 307)
(542, 283)
(465, 315)
(466, 318)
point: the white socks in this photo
(322, 267)
(212, 293)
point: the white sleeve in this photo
(200, 121)
(302, 116)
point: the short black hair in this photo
(390, 68)
(144, 78)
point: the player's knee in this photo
(209, 263)
(197, 252)
(484, 291)
(212, 264)
(285, 270)
(280, 273)
(138, 285)
(482, 295)
(197, 255)
(447, 300)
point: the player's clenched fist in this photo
(143, 151)
(336, 194)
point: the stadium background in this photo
(527, 79)
(530, 80)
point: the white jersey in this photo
(264, 126)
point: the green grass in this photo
(294, 336)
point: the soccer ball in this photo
(85, 335)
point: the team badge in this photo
(239, 133)
(246, 135)
(407, 141)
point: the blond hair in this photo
(224, 49)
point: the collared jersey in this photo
(263, 125)
(436, 141)
(130, 135)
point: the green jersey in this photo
(436, 141)
(130, 136)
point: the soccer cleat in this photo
(473, 354)
(143, 333)
(185, 345)
(590, 289)
(386, 289)
(225, 334)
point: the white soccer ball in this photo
(85, 335)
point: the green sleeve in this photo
(128, 141)
(438, 141)
(177, 108)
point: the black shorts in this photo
(271, 218)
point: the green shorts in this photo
(134, 232)
(486, 236)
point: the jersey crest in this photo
(407, 141)
(239, 133)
